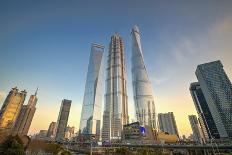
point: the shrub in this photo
(13, 145)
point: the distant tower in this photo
(116, 106)
(69, 132)
(217, 90)
(167, 123)
(198, 135)
(142, 89)
(205, 117)
(11, 108)
(63, 119)
(51, 130)
(26, 115)
(91, 109)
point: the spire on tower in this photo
(36, 91)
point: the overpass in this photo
(171, 149)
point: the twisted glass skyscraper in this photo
(142, 89)
(116, 107)
(91, 108)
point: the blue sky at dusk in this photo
(47, 44)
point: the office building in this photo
(91, 109)
(116, 107)
(69, 133)
(51, 130)
(205, 117)
(164, 137)
(142, 89)
(62, 120)
(134, 133)
(198, 135)
(42, 135)
(25, 116)
(217, 90)
(167, 123)
(11, 108)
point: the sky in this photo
(47, 44)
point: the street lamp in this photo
(91, 137)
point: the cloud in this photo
(158, 81)
(214, 43)
(224, 27)
(183, 49)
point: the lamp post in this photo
(91, 137)
(91, 147)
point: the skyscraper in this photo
(25, 116)
(11, 108)
(205, 117)
(142, 89)
(51, 130)
(198, 135)
(63, 119)
(217, 90)
(116, 106)
(91, 109)
(167, 123)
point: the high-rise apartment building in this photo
(91, 109)
(25, 116)
(205, 117)
(167, 123)
(63, 119)
(116, 107)
(142, 89)
(198, 135)
(51, 130)
(11, 108)
(217, 90)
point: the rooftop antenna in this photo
(36, 91)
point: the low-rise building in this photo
(164, 137)
(135, 133)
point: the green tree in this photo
(149, 151)
(65, 153)
(13, 145)
(122, 151)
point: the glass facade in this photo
(217, 90)
(11, 108)
(91, 108)
(25, 116)
(167, 123)
(116, 106)
(198, 135)
(205, 117)
(142, 89)
(63, 119)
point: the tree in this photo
(13, 145)
(149, 151)
(65, 153)
(122, 151)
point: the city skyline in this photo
(44, 60)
